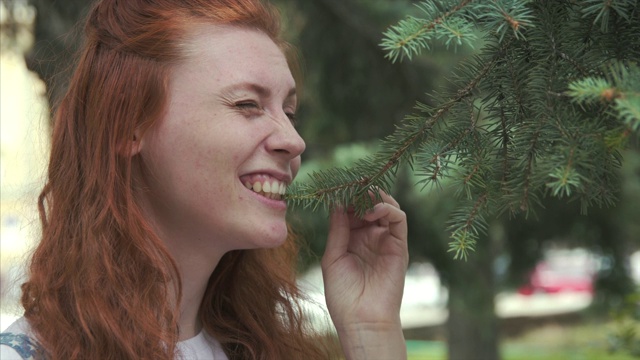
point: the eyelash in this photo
(247, 106)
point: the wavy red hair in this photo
(100, 281)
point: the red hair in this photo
(100, 280)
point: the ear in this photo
(133, 146)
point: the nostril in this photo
(288, 146)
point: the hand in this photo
(364, 268)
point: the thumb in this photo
(338, 239)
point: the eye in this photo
(247, 105)
(292, 117)
(248, 108)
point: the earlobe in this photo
(133, 146)
(136, 143)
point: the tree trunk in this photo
(473, 325)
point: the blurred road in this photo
(425, 299)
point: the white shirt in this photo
(199, 347)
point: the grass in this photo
(552, 342)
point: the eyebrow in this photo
(256, 88)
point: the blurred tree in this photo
(351, 93)
(472, 326)
(56, 41)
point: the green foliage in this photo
(602, 11)
(625, 336)
(345, 94)
(440, 21)
(620, 90)
(453, 22)
(544, 109)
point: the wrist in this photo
(373, 341)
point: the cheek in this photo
(235, 158)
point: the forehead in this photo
(225, 54)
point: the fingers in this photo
(386, 214)
(389, 215)
(388, 199)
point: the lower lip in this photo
(276, 204)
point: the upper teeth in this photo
(269, 186)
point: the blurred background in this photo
(558, 285)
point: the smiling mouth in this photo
(271, 189)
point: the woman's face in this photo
(216, 165)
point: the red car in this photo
(562, 272)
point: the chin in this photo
(274, 236)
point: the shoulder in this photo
(16, 342)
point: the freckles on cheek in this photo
(279, 233)
(235, 158)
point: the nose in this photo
(285, 139)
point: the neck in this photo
(196, 256)
(195, 272)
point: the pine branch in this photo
(473, 223)
(412, 34)
(565, 178)
(603, 10)
(325, 190)
(620, 90)
(504, 16)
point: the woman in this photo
(164, 232)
